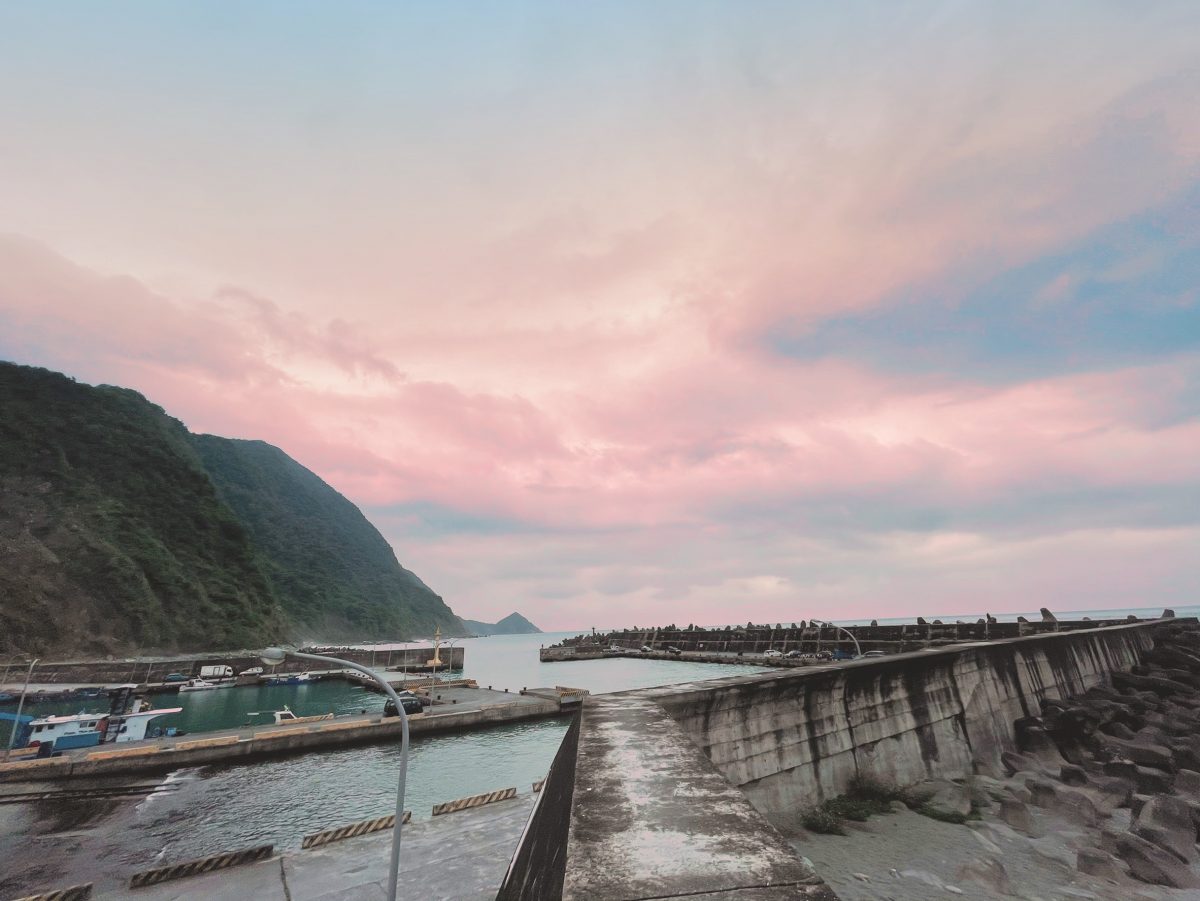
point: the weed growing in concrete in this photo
(945, 816)
(819, 819)
(866, 796)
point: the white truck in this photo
(216, 672)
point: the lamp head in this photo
(272, 656)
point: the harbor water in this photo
(103, 830)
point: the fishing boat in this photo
(202, 685)
(290, 678)
(286, 717)
(127, 719)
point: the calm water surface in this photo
(193, 812)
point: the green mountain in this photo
(120, 530)
(513, 624)
(335, 574)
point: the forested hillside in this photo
(335, 574)
(119, 531)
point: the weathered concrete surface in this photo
(653, 818)
(462, 855)
(476, 708)
(791, 739)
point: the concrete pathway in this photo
(462, 855)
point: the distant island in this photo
(513, 624)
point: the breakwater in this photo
(752, 639)
(152, 670)
(791, 739)
(784, 741)
(461, 708)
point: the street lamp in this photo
(437, 657)
(276, 656)
(857, 649)
(20, 707)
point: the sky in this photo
(624, 314)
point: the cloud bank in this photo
(659, 318)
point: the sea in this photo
(104, 829)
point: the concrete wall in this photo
(792, 738)
(539, 864)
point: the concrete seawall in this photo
(790, 740)
(647, 759)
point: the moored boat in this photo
(286, 717)
(290, 678)
(127, 719)
(202, 685)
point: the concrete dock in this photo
(460, 855)
(460, 708)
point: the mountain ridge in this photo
(122, 531)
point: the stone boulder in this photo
(1071, 803)
(1167, 822)
(1111, 791)
(1145, 780)
(1017, 815)
(1143, 753)
(1015, 763)
(1150, 863)
(946, 797)
(1187, 784)
(1101, 864)
(1117, 729)
(1071, 774)
(1157, 684)
(987, 872)
(1034, 741)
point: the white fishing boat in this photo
(126, 721)
(202, 685)
(286, 717)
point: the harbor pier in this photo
(456, 708)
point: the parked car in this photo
(646, 649)
(175, 677)
(674, 650)
(874, 654)
(795, 653)
(773, 653)
(615, 649)
(253, 671)
(411, 704)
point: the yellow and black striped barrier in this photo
(502, 794)
(325, 836)
(74, 893)
(202, 865)
(537, 786)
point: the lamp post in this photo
(275, 656)
(857, 649)
(449, 664)
(20, 706)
